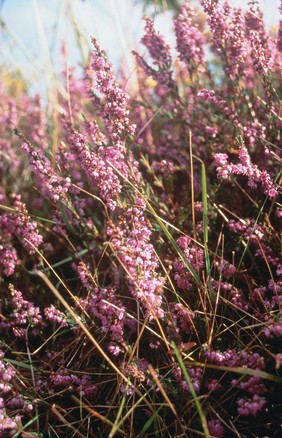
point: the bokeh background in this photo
(33, 32)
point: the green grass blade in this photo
(148, 424)
(192, 391)
(115, 427)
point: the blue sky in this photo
(36, 29)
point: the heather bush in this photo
(140, 257)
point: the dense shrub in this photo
(139, 246)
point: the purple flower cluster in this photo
(55, 315)
(216, 429)
(226, 268)
(239, 38)
(217, 20)
(99, 166)
(237, 49)
(16, 224)
(195, 374)
(159, 51)
(182, 318)
(8, 257)
(9, 398)
(101, 154)
(25, 227)
(116, 160)
(235, 358)
(245, 167)
(253, 389)
(7, 373)
(251, 406)
(23, 314)
(114, 108)
(274, 326)
(194, 255)
(260, 50)
(260, 239)
(189, 40)
(103, 305)
(130, 242)
(52, 184)
(65, 380)
(210, 96)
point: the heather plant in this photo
(140, 253)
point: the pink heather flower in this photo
(251, 406)
(16, 224)
(7, 373)
(183, 317)
(217, 356)
(8, 257)
(245, 167)
(55, 185)
(97, 169)
(274, 326)
(131, 243)
(258, 39)
(213, 385)
(101, 154)
(254, 131)
(210, 96)
(237, 298)
(24, 314)
(194, 255)
(211, 130)
(113, 107)
(8, 424)
(161, 57)
(103, 305)
(156, 45)
(226, 268)
(155, 345)
(252, 385)
(234, 358)
(237, 49)
(184, 242)
(25, 227)
(256, 234)
(216, 429)
(278, 359)
(163, 167)
(217, 20)
(114, 349)
(66, 379)
(16, 403)
(195, 374)
(136, 370)
(189, 39)
(55, 315)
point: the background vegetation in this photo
(140, 244)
